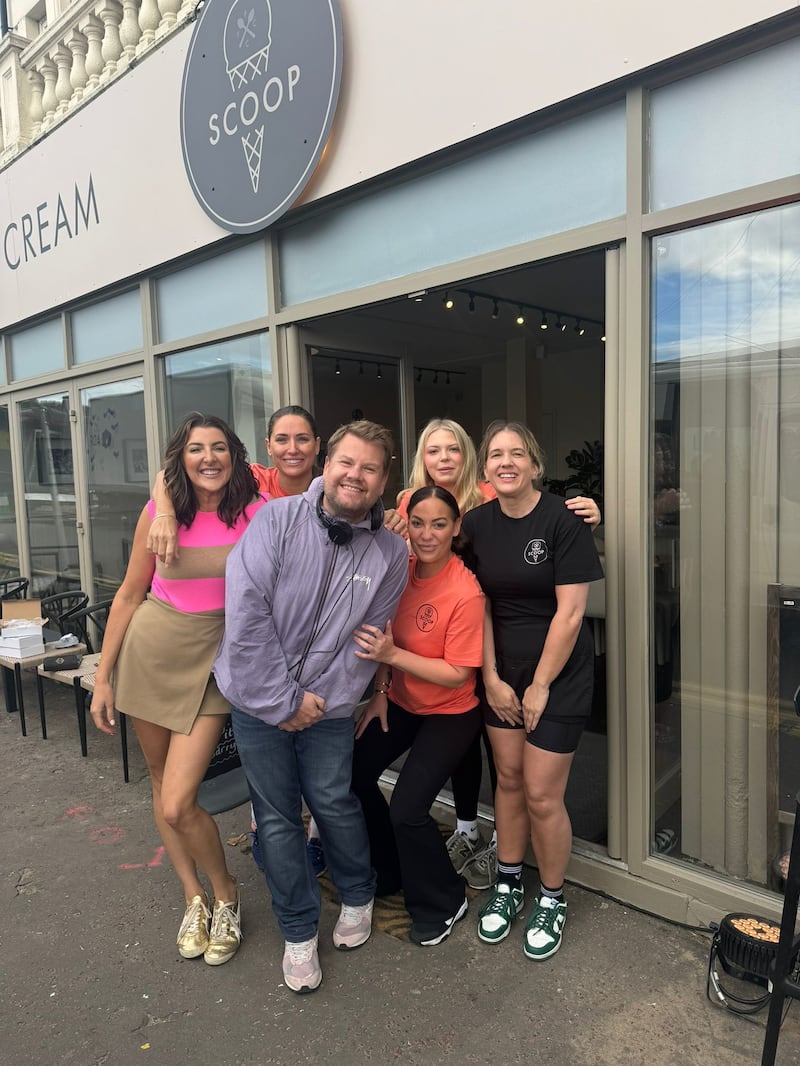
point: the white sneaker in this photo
(353, 927)
(301, 969)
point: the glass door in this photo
(114, 446)
(50, 502)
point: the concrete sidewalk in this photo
(90, 974)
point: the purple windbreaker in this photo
(293, 600)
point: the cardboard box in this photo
(21, 628)
(21, 610)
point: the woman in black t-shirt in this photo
(534, 561)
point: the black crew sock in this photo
(509, 873)
(553, 893)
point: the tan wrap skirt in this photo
(163, 673)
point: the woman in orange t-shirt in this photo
(424, 704)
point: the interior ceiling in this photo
(573, 285)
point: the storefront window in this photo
(9, 550)
(37, 350)
(218, 292)
(232, 380)
(727, 128)
(107, 328)
(559, 179)
(725, 531)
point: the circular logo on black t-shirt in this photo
(427, 617)
(535, 552)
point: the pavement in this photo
(90, 974)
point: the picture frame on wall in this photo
(135, 454)
(54, 460)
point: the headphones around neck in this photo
(340, 532)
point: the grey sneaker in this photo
(481, 871)
(463, 850)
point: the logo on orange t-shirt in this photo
(427, 617)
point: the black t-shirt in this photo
(520, 561)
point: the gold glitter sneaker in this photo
(226, 932)
(193, 933)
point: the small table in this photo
(82, 679)
(31, 662)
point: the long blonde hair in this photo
(466, 489)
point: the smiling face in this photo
(431, 528)
(353, 478)
(509, 469)
(443, 458)
(207, 462)
(293, 449)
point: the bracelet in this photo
(164, 514)
(382, 688)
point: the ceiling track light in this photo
(379, 375)
(361, 368)
(548, 316)
(338, 369)
(447, 378)
(419, 374)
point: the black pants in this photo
(407, 848)
(466, 777)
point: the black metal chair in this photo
(13, 588)
(82, 620)
(79, 621)
(56, 609)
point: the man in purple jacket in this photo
(307, 573)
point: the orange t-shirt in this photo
(439, 617)
(485, 488)
(267, 478)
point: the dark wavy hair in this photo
(298, 412)
(460, 543)
(240, 490)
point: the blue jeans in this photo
(314, 765)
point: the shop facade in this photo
(605, 246)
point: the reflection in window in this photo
(118, 476)
(9, 550)
(232, 380)
(725, 437)
(50, 494)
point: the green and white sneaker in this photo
(545, 928)
(497, 916)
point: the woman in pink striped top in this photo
(157, 655)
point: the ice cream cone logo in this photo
(247, 40)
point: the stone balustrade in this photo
(91, 43)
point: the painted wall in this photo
(418, 77)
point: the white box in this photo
(20, 628)
(21, 647)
